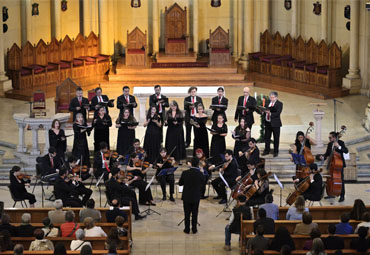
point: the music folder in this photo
(298, 159)
(167, 171)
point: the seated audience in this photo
(333, 242)
(25, 229)
(358, 210)
(365, 223)
(240, 210)
(41, 244)
(295, 212)
(267, 223)
(57, 215)
(60, 249)
(112, 213)
(69, 228)
(122, 231)
(317, 247)
(361, 243)
(282, 237)
(112, 250)
(315, 233)
(79, 243)
(113, 240)
(285, 250)
(5, 225)
(344, 228)
(89, 211)
(272, 210)
(86, 250)
(91, 230)
(306, 226)
(49, 229)
(258, 252)
(259, 242)
(7, 244)
(18, 249)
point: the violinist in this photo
(126, 101)
(18, 186)
(102, 162)
(126, 131)
(137, 149)
(80, 146)
(252, 155)
(205, 167)
(137, 171)
(340, 147)
(64, 191)
(57, 138)
(50, 163)
(153, 134)
(100, 100)
(262, 186)
(101, 123)
(165, 162)
(75, 182)
(221, 100)
(229, 170)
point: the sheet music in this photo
(181, 188)
(278, 182)
(346, 156)
(223, 179)
(150, 183)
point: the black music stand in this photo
(149, 211)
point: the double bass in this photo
(304, 171)
(335, 167)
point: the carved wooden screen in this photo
(264, 41)
(311, 51)
(323, 56)
(65, 92)
(219, 38)
(300, 49)
(41, 53)
(289, 46)
(54, 51)
(14, 58)
(79, 46)
(66, 49)
(92, 45)
(176, 25)
(335, 55)
(27, 58)
(278, 44)
(136, 39)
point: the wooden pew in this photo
(345, 251)
(95, 252)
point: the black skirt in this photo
(152, 141)
(201, 136)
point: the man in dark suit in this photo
(190, 107)
(99, 98)
(272, 123)
(219, 100)
(249, 103)
(126, 101)
(67, 193)
(101, 163)
(340, 147)
(192, 181)
(50, 163)
(79, 104)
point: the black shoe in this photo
(328, 197)
(172, 199)
(186, 231)
(276, 154)
(194, 230)
(164, 198)
(265, 153)
(218, 197)
(341, 199)
(223, 201)
(139, 217)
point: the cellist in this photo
(262, 186)
(340, 147)
(300, 139)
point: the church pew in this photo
(95, 252)
(345, 251)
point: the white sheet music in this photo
(150, 183)
(346, 156)
(223, 179)
(181, 188)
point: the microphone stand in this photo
(335, 113)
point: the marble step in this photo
(170, 71)
(358, 140)
(8, 145)
(2, 152)
(11, 161)
(178, 77)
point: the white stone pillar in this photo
(47, 142)
(195, 26)
(35, 140)
(87, 16)
(103, 26)
(324, 20)
(155, 27)
(26, 21)
(240, 27)
(295, 21)
(257, 26)
(2, 55)
(235, 29)
(56, 29)
(21, 146)
(318, 115)
(265, 14)
(248, 30)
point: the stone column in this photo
(352, 80)
(47, 143)
(265, 14)
(324, 20)
(318, 115)
(26, 22)
(103, 26)
(295, 21)
(235, 29)
(56, 29)
(195, 26)
(240, 27)
(155, 27)
(87, 16)
(21, 146)
(35, 139)
(257, 26)
(248, 30)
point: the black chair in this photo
(311, 202)
(16, 200)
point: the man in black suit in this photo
(340, 147)
(101, 163)
(192, 180)
(99, 98)
(219, 100)
(249, 103)
(79, 104)
(159, 101)
(67, 193)
(126, 101)
(111, 214)
(272, 123)
(190, 107)
(50, 164)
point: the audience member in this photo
(18, 249)
(112, 250)
(258, 252)
(365, 223)
(86, 250)
(60, 249)
(41, 244)
(295, 212)
(344, 228)
(91, 230)
(5, 225)
(272, 210)
(69, 228)
(267, 223)
(358, 210)
(306, 226)
(120, 221)
(114, 240)
(259, 242)
(79, 243)
(315, 233)
(89, 211)
(282, 237)
(112, 213)
(7, 244)
(285, 250)
(361, 243)
(49, 229)
(25, 229)
(317, 247)
(333, 242)
(57, 215)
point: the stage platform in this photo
(189, 58)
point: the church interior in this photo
(312, 57)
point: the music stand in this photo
(98, 186)
(150, 211)
(281, 187)
(229, 201)
(298, 159)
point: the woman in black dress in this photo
(152, 139)
(57, 139)
(241, 135)
(299, 142)
(200, 131)
(218, 144)
(101, 124)
(126, 132)
(80, 146)
(175, 132)
(17, 186)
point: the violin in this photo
(25, 177)
(225, 165)
(79, 168)
(249, 152)
(111, 154)
(142, 163)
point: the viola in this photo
(79, 168)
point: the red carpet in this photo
(179, 65)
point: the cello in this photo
(304, 171)
(335, 167)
